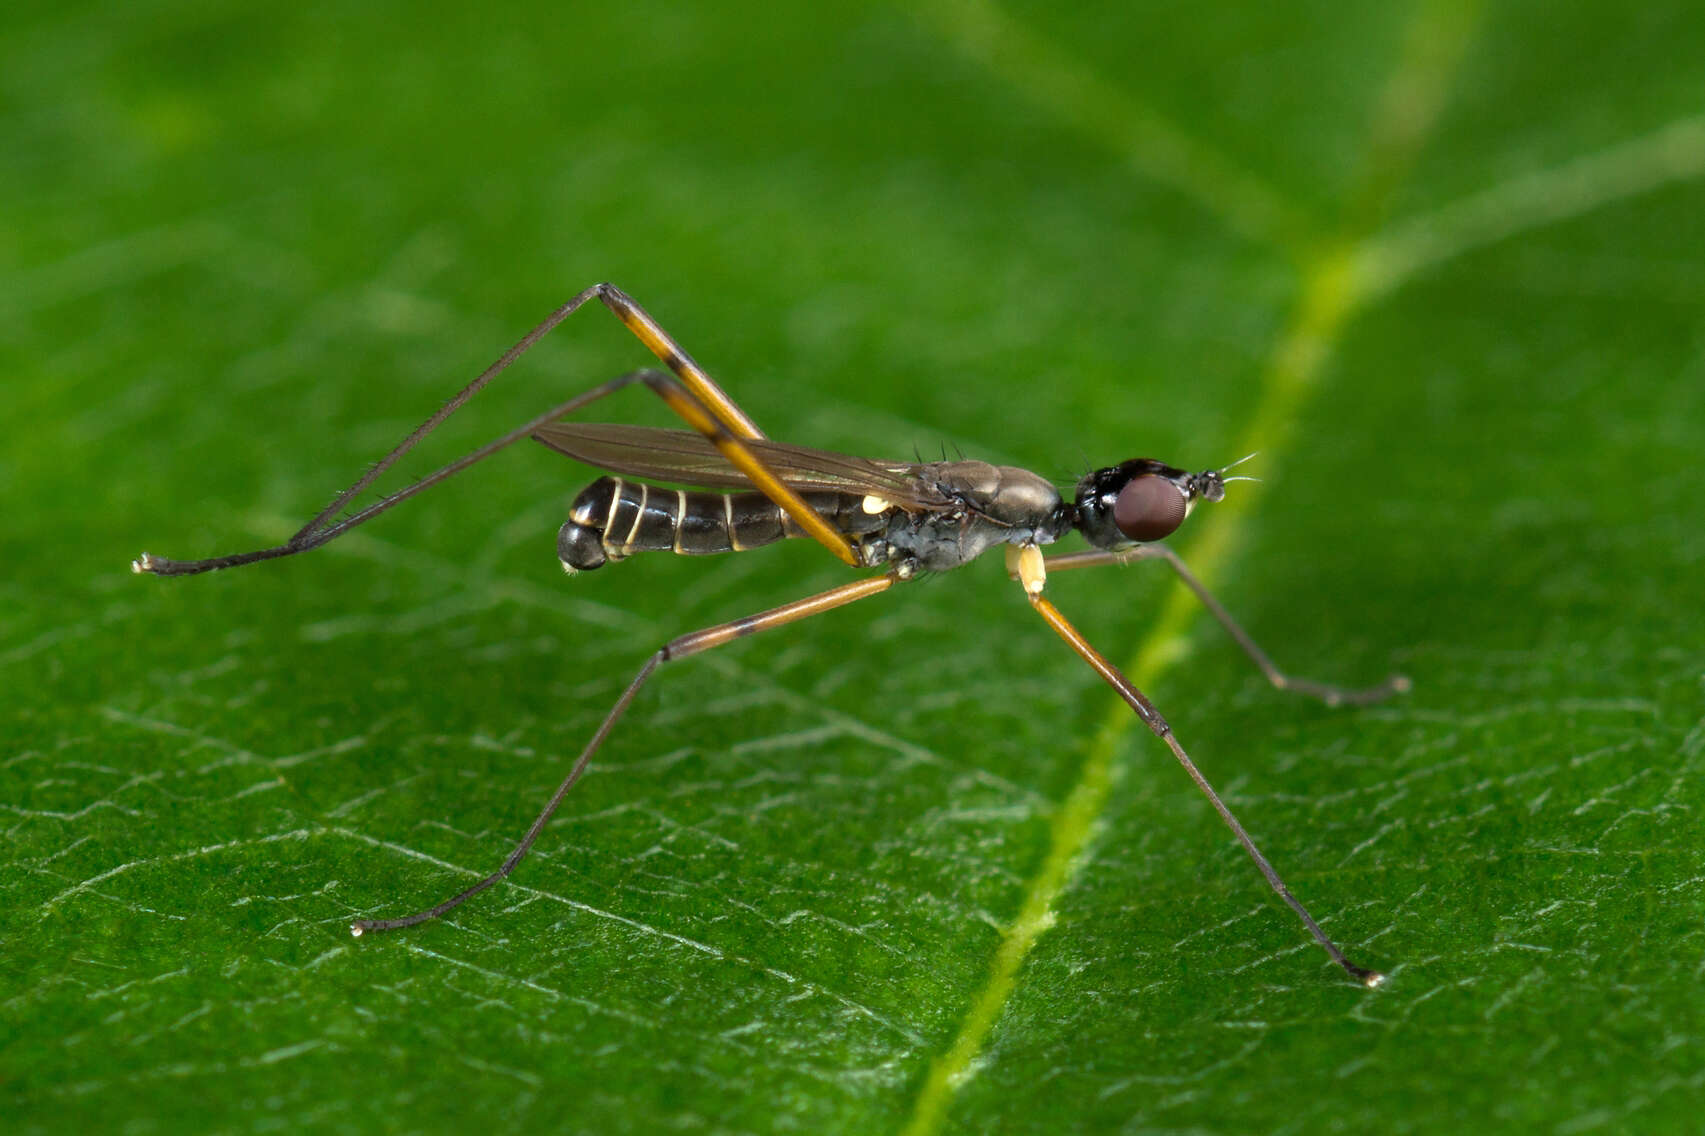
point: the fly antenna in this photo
(1234, 465)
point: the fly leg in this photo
(689, 391)
(678, 648)
(1331, 695)
(1031, 569)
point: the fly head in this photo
(1141, 500)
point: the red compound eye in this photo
(1148, 508)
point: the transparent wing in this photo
(688, 458)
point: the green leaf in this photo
(908, 866)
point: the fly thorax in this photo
(992, 505)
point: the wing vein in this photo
(688, 458)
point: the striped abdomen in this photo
(614, 518)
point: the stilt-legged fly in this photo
(900, 517)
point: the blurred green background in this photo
(908, 867)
